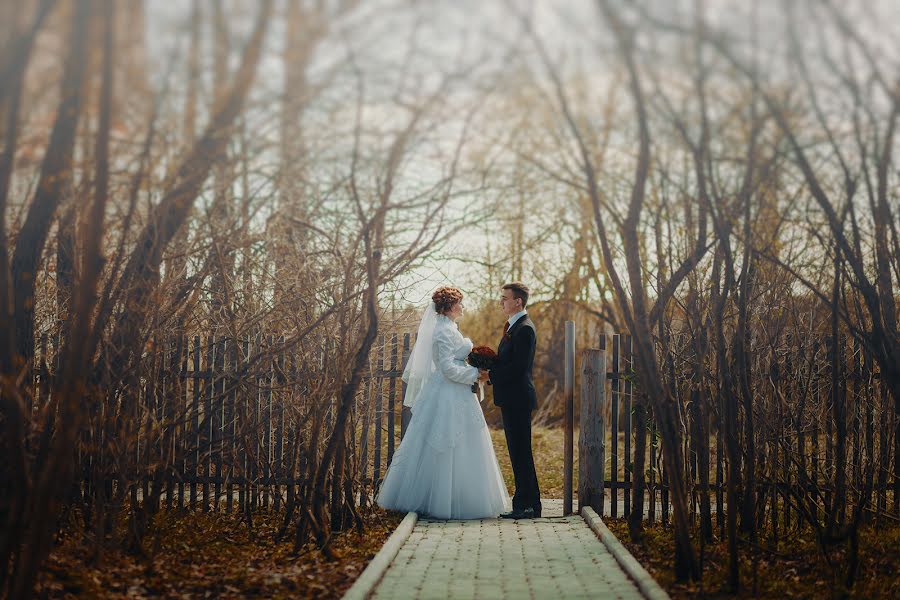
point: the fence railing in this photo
(795, 428)
(224, 415)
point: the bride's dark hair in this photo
(444, 298)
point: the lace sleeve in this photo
(454, 369)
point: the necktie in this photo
(506, 327)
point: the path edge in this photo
(365, 584)
(645, 582)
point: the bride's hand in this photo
(483, 375)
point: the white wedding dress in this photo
(445, 467)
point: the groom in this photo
(514, 394)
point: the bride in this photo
(445, 466)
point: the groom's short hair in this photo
(519, 290)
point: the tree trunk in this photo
(141, 273)
(636, 517)
(56, 172)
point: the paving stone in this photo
(552, 557)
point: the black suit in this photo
(514, 393)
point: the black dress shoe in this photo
(521, 513)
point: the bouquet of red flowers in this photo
(482, 357)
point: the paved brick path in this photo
(556, 557)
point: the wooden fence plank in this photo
(614, 430)
(190, 412)
(244, 489)
(627, 368)
(651, 512)
(392, 394)
(195, 421)
(231, 421)
(569, 399)
(379, 388)
(184, 407)
(279, 423)
(405, 413)
(266, 456)
(364, 439)
(219, 416)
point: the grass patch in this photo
(547, 445)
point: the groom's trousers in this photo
(517, 427)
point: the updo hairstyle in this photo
(444, 298)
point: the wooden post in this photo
(591, 437)
(570, 418)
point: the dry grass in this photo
(214, 555)
(794, 568)
(547, 445)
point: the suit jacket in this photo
(511, 377)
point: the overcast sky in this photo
(485, 35)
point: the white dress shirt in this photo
(517, 316)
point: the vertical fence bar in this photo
(160, 427)
(183, 415)
(379, 388)
(614, 431)
(279, 425)
(148, 420)
(405, 413)
(267, 425)
(208, 421)
(629, 401)
(392, 395)
(776, 433)
(231, 421)
(219, 415)
(651, 511)
(173, 415)
(246, 406)
(195, 422)
(665, 494)
(857, 414)
(364, 438)
(788, 377)
(870, 395)
(569, 395)
(254, 459)
(817, 414)
(802, 363)
(827, 415)
(296, 439)
(884, 453)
